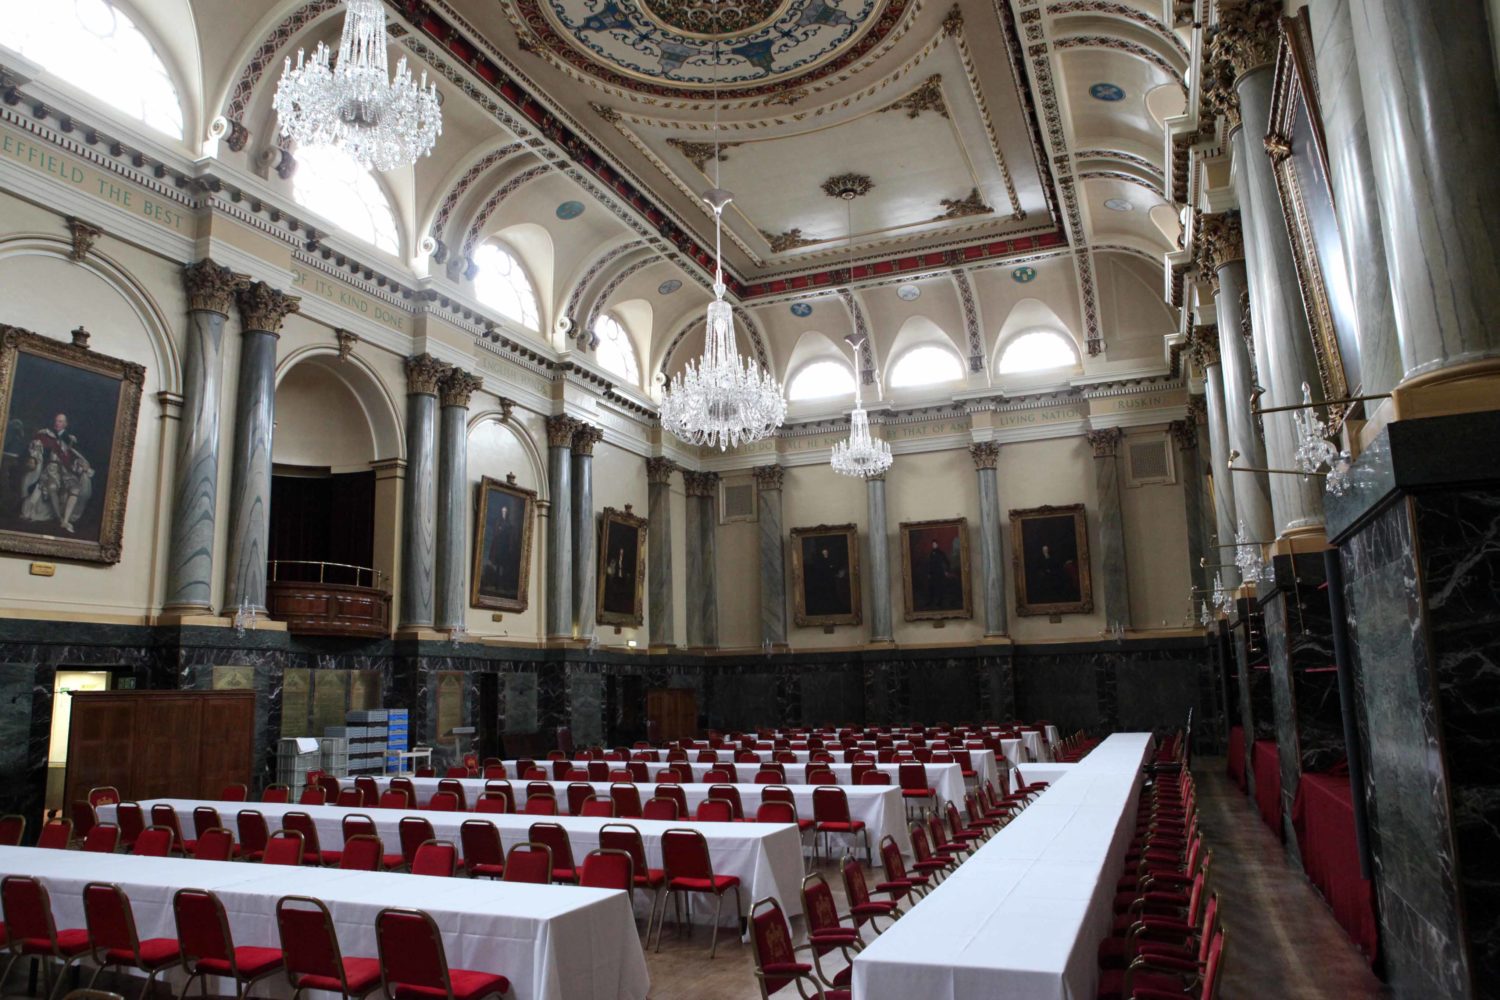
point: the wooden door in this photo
(672, 712)
(226, 742)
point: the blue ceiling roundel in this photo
(569, 210)
(801, 309)
(1107, 92)
(668, 287)
(1022, 275)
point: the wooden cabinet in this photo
(154, 744)
(672, 713)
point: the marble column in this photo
(659, 552)
(768, 480)
(419, 507)
(1206, 356)
(1224, 261)
(585, 533)
(702, 572)
(1355, 202)
(881, 629)
(1112, 573)
(195, 469)
(1185, 437)
(560, 431)
(986, 455)
(262, 311)
(1428, 81)
(1284, 355)
(454, 391)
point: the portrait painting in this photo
(1051, 549)
(825, 575)
(622, 569)
(69, 417)
(935, 569)
(1300, 160)
(502, 546)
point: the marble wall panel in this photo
(1158, 695)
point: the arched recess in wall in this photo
(621, 356)
(920, 332)
(1029, 316)
(499, 447)
(379, 413)
(531, 246)
(165, 363)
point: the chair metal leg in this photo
(713, 947)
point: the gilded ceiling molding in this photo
(1217, 85)
(928, 96)
(848, 185)
(461, 186)
(210, 286)
(792, 239)
(424, 373)
(510, 187)
(1128, 159)
(699, 153)
(1122, 177)
(1248, 33)
(457, 387)
(973, 331)
(1129, 48)
(263, 309)
(958, 208)
(1125, 12)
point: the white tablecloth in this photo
(1022, 919)
(551, 942)
(945, 779)
(1049, 773)
(767, 857)
(878, 806)
(984, 760)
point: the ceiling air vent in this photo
(736, 502)
(1149, 461)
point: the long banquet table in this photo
(767, 857)
(880, 807)
(551, 942)
(945, 779)
(984, 760)
(1023, 917)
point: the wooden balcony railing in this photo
(326, 598)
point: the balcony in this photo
(329, 599)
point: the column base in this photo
(881, 644)
(201, 616)
(1310, 539)
(996, 639)
(1466, 388)
(660, 648)
(419, 633)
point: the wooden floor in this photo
(1283, 941)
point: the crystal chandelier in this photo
(862, 455)
(721, 399)
(1314, 450)
(355, 104)
(1247, 557)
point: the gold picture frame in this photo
(933, 587)
(505, 519)
(826, 557)
(1299, 159)
(69, 419)
(621, 597)
(1049, 583)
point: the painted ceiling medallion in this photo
(801, 310)
(665, 47)
(848, 186)
(1023, 275)
(569, 210)
(711, 18)
(1119, 205)
(668, 287)
(908, 293)
(1107, 92)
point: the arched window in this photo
(616, 353)
(331, 183)
(98, 49)
(820, 379)
(1037, 351)
(925, 366)
(502, 285)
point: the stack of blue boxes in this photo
(397, 737)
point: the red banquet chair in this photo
(414, 832)
(831, 815)
(113, 940)
(414, 965)
(83, 817)
(253, 834)
(627, 800)
(659, 808)
(394, 798)
(276, 795)
(781, 793)
(826, 930)
(714, 811)
(529, 863)
(164, 814)
(624, 837)
(234, 792)
(104, 838)
(605, 868)
(208, 948)
(362, 852)
(776, 964)
(312, 852)
(436, 857)
(311, 955)
(689, 869)
(214, 844)
(12, 829)
(483, 855)
(56, 834)
(555, 838)
(284, 847)
(104, 795)
(154, 842)
(31, 931)
(862, 907)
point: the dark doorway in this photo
(625, 710)
(488, 720)
(318, 516)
